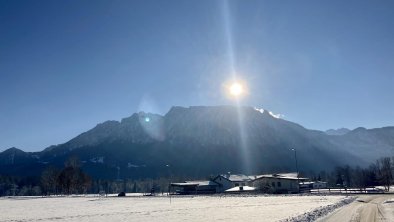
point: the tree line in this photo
(379, 173)
(72, 180)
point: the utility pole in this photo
(296, 162)
(169, 182)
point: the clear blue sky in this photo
(67, 65)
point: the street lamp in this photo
(296, 162)
(169, 177)
(169, 184)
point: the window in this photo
(279, 184)
(237, 184)
(273, 184)
(243, 184)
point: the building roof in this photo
(285, 176)
(236, 177)
(203, 182)
(195, 183)
(313, 182)
(184, 184)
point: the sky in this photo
(66, 66)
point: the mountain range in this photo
(204, 140)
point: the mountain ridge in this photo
(224, 138)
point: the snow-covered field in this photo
(181, 208)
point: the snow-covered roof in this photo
(236, 177)
(238, 189)
(184, 184)
(307, 183)
(286, 176)
(313, 182)
(294, 174)
(196, 183)
(203, 182)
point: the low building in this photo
(195, 187)
(278, 183)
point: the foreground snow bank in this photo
(180, 208)
(320, 211)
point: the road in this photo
(366, 208)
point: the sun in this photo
(236, 89)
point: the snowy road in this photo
(365, 208)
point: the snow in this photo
(376, 207)
(278, 116)
(203, 182)
(383, 188)
(387, 209)
(346, 191)
(236, 177)
(321, 211)
(99, 159)
(238, 189)
(162, 208)
(196, 183)
(260, 110)
(287, 176)
(130, 165)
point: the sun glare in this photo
(236, 89)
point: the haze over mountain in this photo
(203, 140)
(337, 132)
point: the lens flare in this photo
(236, 89)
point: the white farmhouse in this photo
(278, 183)
(227, 181)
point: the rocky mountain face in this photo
(200, 141)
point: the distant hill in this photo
(200, 141)
(337, 132)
